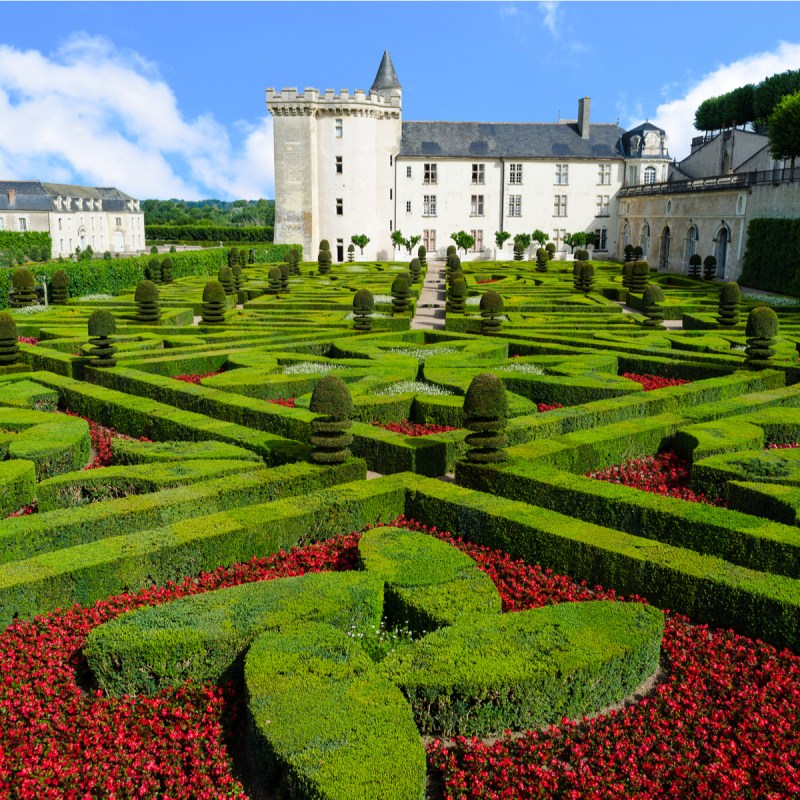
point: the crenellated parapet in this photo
(313, 102)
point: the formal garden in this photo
(263, 539)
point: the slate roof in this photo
(37, 196)
(639, 130)
(386, 77)
(509, 140)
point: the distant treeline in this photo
(239, 213)
(207, 233)
(747, 104)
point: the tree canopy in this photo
(239, 213)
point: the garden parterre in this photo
(225, 479)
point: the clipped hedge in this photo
(205, 233)
(17, 485)
(772, 256)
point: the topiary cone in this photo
(101, 325)
(23, 289)
(422, 255)
(324, 259)
(146, 299)
(414, 269)
(153, 270)
(730, 299)
(59, 288)
(225, 279)
(401, 294)
(9, 346)
(275, 282)
(652, 297)
(761, 333)
(641, 272)
(491, 307)
(542, 260)
(457, 295)
(363, 306)
(329, 439)
(485, 414)
(166, 270)
(214, 303)
(709, 268)
(284, 270)
(695, 261)
(236, 272)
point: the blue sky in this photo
(167, 99)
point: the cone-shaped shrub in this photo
(641, 272)
(236, 274)
(23, 288)
(324, 260)
(761, 331)
(542, 260)
(695, 260)
(414, 269)
(709, 268)
(166, 270)
(146, 299)
(214, 303)
(401, 294)
(233, 256)
(275, 282)
(453, 263)
(101, 325)
(225, 278)
(329, 438)
(730, 299)
(152, 271)
(551, 249)
(251, 256)
(638, 252)
(582, 255)
(627, 273)
(628, 251)
(519, 252)
(457, 295)
(491, 310)
(9, 348)
(652, 297)
(485, 414)
(351, 252)
(325, 245)
(295, 253)
(422, 255)
(284, 270)
(363, 306)
(451, 250)
(586, 277)
(576, 275)
(59, 288)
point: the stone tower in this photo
(335, 164)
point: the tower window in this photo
(408, 171)
(429, 173)
(562, 174)
(408, 206)
(390, 160)
(478, 173)
(339, 207)
(338, 165)
(515, 173)
(650, 175)
(338, 123)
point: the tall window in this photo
(650, 175)
(429, 205)
(645, 239)
(408, 171)
(562, 174)
(515, 173)
(22, 224)
(560, 205)
(476, 206)
(602, 205)
(339, 128)
(515, 205)
(558, 237)
(478, 237)
(601, 237)
(478, 173)
(429, 173)
(408, 206)
(429, 239)
(604, 174)
(118, 222)
(60, 226)
(338, 165)
(339, 207)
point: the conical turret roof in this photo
(386, 77)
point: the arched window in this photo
(691, 244)
(650, 175)
(665, 242)
(722, 239)
(626, 234)
(645, 240)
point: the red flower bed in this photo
(665, 474)
(283, 401)
(26, 511)
(28, 339)
(650, 382)
(488, 280)
(776, 446)
(723, 721)
(414, 428)
(101, 441)
(196, 378)
(542, 407)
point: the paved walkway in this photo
(430, 307)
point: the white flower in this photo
(88, 298)
(309, 368)
(412, 387)
(421, 353)
(525, 369)
(27, 310)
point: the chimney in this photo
(583, 117)
(12, 196)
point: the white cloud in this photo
(549, 11)
(676, 117)
(91, 113)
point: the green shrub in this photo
(17, 485)
(153, 271)
(519, 251)
(167, 275)
(485, 414)
(652, 297)
(225, 279)
(730, 299)
(209, 233)
(770, 259)
(639, 276)
(23, 292)
(761, 333)
(491, 307)
(363, 306)
(422, 255)
(542, 260)
(709, 268)
(551, 249)
(329, 438)
(456, 295)
(628, 251)
(585, 277)
(275, 283)
(59, 288)
(638, 252)
(214, 303)
(401, 294)
(233, 256)
(582, 255)
(414, 269)
(451, 250)
(453, 264)
(101, 325)
(236, 273)
(9, 349)
(147, 305)
(695, 260)
(284, 270)
(627, 273)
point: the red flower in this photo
(414, 428)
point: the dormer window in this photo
(650, 175)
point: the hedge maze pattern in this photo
(194, 403)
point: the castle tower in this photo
(334, 165)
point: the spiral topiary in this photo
(251, 256)
(638, 252)
(23, 289)
(582, 255)
(153, 270)
(652, 297)
(236, 273)
(453, 263)
(363, 306)
(486, 414)
(761, 333)
(275, 282)
(639, 276)
(519, 251)
(146, 299)
(233, 256)
(294, 254)
(401, 294)
(491, 307)
(351, 252)
(284, 269)
(214, 303)
(225, 278)
(59, 288)
(695, 260)
(730, 299)
(628, 251)
(329, 438)
(101, 325)
(451, 251)
(325, 245)
(324, 259)
(166, 270)
(422, 255)
(542, 260)
(627, 274)
(9, 347)
(551, 249)
(457, 295)
(709, 268)
(576, 275)
(414, 270)
(585, 277)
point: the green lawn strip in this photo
(26, 537)
(706, 588)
